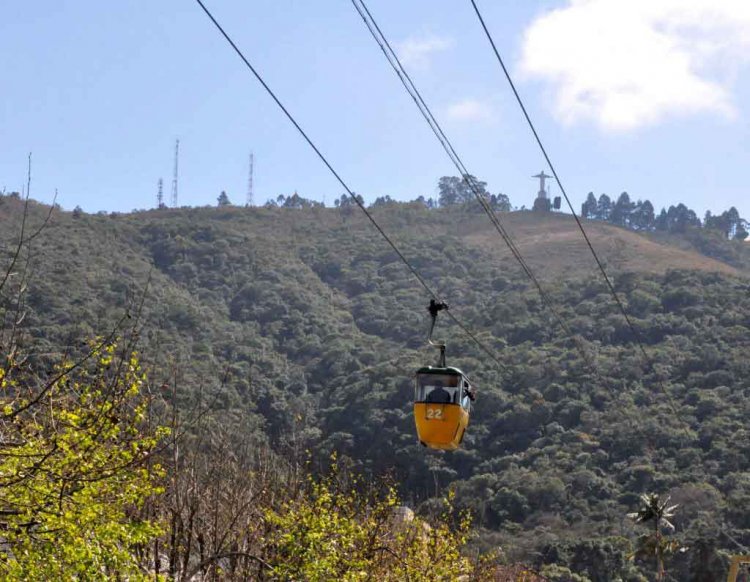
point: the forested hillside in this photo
(303, 329)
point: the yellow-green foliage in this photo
(77, 470)
(330, 532)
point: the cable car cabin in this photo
(441, 407)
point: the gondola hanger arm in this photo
(434, 308)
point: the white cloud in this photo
(415, 52)
(470, 110)
(626, 64)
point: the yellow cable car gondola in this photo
(442, 398)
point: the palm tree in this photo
(657, 510)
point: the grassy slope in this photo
(554, 247)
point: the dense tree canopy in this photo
(304, 330)
(640, 216)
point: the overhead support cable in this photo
(348, 190)
(426, 112)
(651, 364)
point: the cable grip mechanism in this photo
(434, 308)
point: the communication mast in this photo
(249, 201)
(160, 194)
(174, 178)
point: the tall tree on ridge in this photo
(603, 207)
(588, 208)
(622, 210)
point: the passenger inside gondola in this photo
(438, 389)
(439, 394)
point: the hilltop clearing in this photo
(554, 247)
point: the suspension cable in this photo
(426, 112)
(650, 363)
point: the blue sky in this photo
(637, 95)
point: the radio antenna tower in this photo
(174, 178)
(249, 201)
(160, 194)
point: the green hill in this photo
(306, 328)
